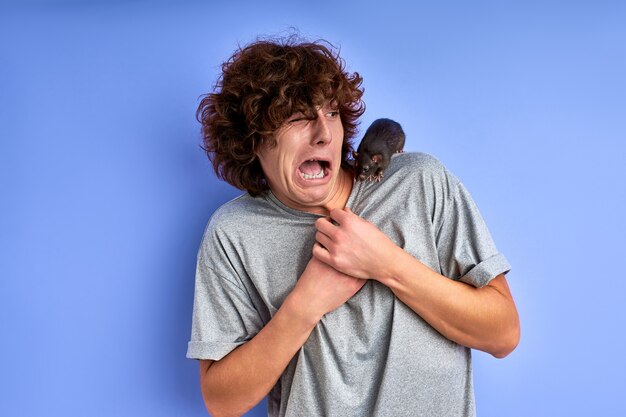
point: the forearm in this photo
(242, 378)
(481, 318)
(237, 382)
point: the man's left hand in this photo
(353, 245)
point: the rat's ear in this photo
(354, 154)
(377, 158)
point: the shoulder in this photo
(412, 179)
(235, 217)
(423, 168)
(226, 215)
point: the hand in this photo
(353, 246)
(320, 290)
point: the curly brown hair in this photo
(261, 86)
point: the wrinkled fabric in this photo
(372, 356)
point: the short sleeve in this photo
(464, 245)
(223, 314)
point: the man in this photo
(335, 297)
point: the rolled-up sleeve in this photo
(465, 247)
(224, 316)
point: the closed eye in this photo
(296, 117)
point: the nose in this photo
(322, 133)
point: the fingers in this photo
(325, 226)
(324, 240)
(320, 253)
(338, 215)
(340, 221)
(342, 215)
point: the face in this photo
(304, 170)
(368, 167)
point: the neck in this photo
(341, 194)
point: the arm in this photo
(237, 382)
(480, 318)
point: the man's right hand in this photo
(320, 290)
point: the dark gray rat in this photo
(383, 138)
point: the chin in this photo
(316, 198)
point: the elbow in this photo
(211, 406)
(508, 343)
(212, 411)
(212, 402)
(215, 410)
(219, 406)
(218, 413)
(503, 352)
(220, 398)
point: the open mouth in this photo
(313, 169)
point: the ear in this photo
(377, 158)
(354, 154)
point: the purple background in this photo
(105, 191)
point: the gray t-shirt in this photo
(372, 356)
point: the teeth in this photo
(315, 176)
